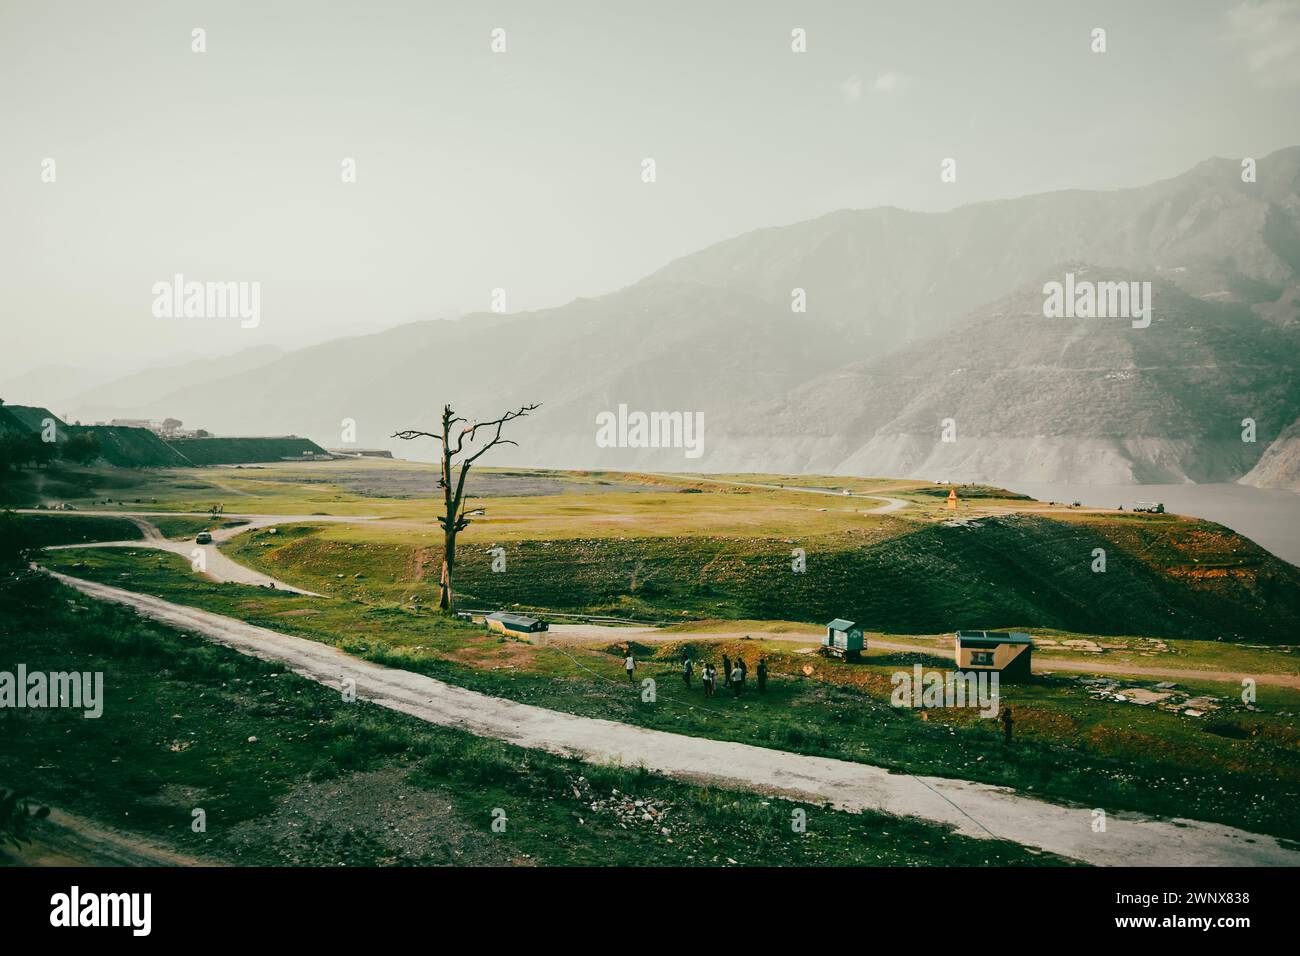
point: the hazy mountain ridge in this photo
(897, 336)
(108, 400)
(1205, 230)
(1036, 399)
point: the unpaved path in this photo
(65, 839)
(890, 504)
(217, 566)
(599, 633)
(973, 809)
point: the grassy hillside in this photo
(1165, 576)
(586, 544)
(287, 773)
(28, 418)
(120, 446)
(1239, 766)
(131, 447)
(235, 451)
(86, 487)
(54, 529)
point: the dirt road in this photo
(216, 565)
(890, 504)
(64, 839)
(974, 809)
(596, 633)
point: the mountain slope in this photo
(908, 275)
(1279, 467)
(1037, 399)
(662, 345)
(896, 307)
(108, 401)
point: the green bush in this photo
(17, 542)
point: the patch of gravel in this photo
(628, 811)
(366, 819)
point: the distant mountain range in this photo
(910, 319)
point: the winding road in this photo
(890, 504)
(973, 809)
(215, 564)
(1044, 664)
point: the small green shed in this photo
(843, 639)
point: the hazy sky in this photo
(522, 169)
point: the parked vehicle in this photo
(1150, 507)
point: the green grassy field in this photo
(636, 545)
(1177, 592)
(287, 773)
(187, 526)
(887, 573)
(1236, 767)
(58, 529)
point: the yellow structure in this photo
(516, 625)
(952, 500)
(1008, 653)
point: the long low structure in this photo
(514, 625)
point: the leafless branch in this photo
(411, 433)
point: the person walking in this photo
(762, 675)
(629, 663)
(737, 681)
(726, 671)
(1006, 724)
(744, 671)
(687, 669)
(707, 677)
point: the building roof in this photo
(513, 620)
(839, 624)
(986, 638)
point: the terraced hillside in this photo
(119, 445)
(127, 447)
(1164, 575)
(234, 451)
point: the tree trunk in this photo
(449, 529)
(448, 564)
(453, 499)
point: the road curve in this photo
(890, 504)
(973, 809)
(216, 565)
(1044, 664)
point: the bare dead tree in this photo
(454, 520)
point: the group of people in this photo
(734, 674)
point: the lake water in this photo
(1268, 516)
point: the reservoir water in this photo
(1270, 517)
